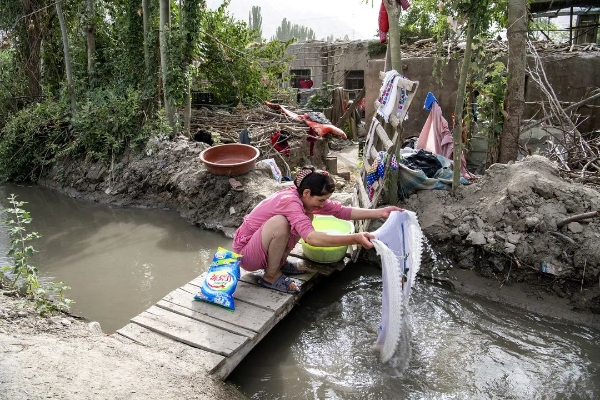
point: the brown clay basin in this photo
(230, 159)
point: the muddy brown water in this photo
(117, 261)
(120, 261)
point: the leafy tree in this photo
(118, 101)
(420, 21)
(478, 16)
(255, 21)
(26, 26)
(288, 31)
(234, 66)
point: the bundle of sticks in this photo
(225, 126)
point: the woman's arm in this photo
(367, 213)
(322, 239)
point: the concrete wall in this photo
(415, 69)
(328, 62)
(572, 75)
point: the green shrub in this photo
(106, 123)
(21, 275)
(30, 139)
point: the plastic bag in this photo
(221, 279)
(274, 168)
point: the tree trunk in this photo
(34, 45)
(91, 41)
(393, 10)
(163, 29)
(460, 103)
(515, 92)
(68, 68)
(146, 35)
(395, 56)
(187, 97)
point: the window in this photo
(355, 80)
(297, 75)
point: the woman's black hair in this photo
(318, 182)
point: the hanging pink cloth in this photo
(437, 138)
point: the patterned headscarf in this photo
(304, 172)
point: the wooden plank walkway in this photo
(212, 337)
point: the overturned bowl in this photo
(333, 225)
(230, 159)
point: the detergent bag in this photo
(221, 279)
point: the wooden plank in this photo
(366, 164)
(373, 153)
(192, 359)
(370, 140)
(248, 291)
(365, 202)
(383, 136)
(411, 95)
(245, 320)
(191, 332)
(351, 109)
(205, 319)
(402, 83)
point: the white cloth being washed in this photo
(399, 244)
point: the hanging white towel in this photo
(387, 95)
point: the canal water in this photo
(120, 261)
(117, 261)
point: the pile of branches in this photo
(262, 122)
(429, 48)
(577, 154)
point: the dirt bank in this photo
(490, 240)
(510, 226)
(65, 358)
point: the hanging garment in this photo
(437, 138)
(377, 171)
(318, 128)
(405, 4)
(387, 96)
(429, 100)
(399, 244)
(279, 140)
(383, 22)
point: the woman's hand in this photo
(363, 238)
(371, 213)
(386, 211)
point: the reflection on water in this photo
(117, 261)
(461, 349)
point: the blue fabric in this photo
(411, 180)
(429, 100)
(245, 136)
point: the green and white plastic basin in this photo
(333, 225)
